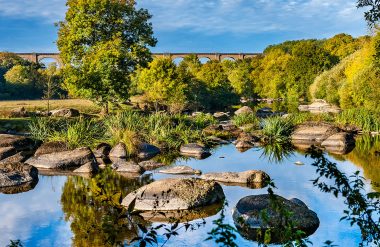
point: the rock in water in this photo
(147, 151)
(150, 165)
(250, 222)
(185, 170)
(16, 174)
(119, 151)
(175, 194)
(194, 150)
(244, 110)
(312, 133)
(90, 167)
(247, 177)
(124, 166)
(66, 160)
(340, 143)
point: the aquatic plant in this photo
(276, 129)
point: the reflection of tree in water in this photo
(94, 220)
(367, 155)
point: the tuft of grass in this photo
(277, 129)
(75, 132)
(244, 119)
(363, 119)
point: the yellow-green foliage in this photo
(161, 84)
(354, 82)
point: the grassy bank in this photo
(85, 106)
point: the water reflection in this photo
(277, 152)
(94, 222)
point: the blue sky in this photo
(195, 25)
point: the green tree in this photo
(219, 90)
(102, 42)
(50, 80)
(161, 84)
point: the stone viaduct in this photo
(37, 57)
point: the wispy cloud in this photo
(223, 16)
(256, 16)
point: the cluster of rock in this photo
(319, 106)
(326, 135)
(64, 112)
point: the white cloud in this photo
(224, 16)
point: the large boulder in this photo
(184, 170)
(124, 166)
(20, 143)
(67, 112)
(175, 194)
(51, 147)
(244, 110)
(340, 143)
(17, 174)
(147, 151)
(257, 213)
(66, 160)
(194, 150)
(254, 178)
(221, 116)
(312, 133)
(119, 151)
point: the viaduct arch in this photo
(37, 57)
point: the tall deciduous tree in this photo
(101, 43)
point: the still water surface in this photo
(59, 211)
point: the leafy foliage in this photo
(101, 44)
(362, 207)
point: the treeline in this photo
(283, 71)
(293, 70)
(355, 81)
(21, 79)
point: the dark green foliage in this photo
(372, 15)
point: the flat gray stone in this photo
(185, 170)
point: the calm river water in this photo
(60, 210)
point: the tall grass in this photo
(75, 132)
(277, 129)
(366, 120)
(244, 119)
(302, 117)
(161, 129)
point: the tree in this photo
(50, 79)
(372, 15)
(161, 84)
(219, 90)
(101, 43)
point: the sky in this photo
(195, 25)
